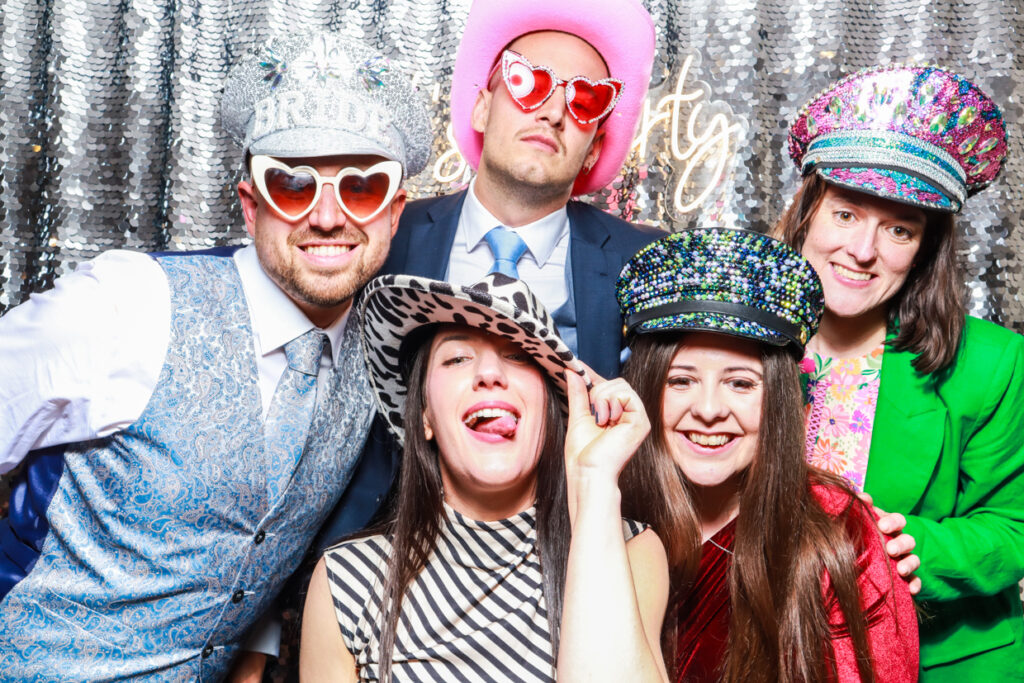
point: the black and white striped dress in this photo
(475, 613)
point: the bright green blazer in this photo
(947, 450)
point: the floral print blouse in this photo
(842, 394)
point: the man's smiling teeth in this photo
(485, 413)
(851, 274)
(708, 439)
(327, 249)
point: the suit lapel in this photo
(907, 437)
(430, 242)
(593, 281)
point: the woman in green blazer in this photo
(908, 398)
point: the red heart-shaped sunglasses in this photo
(530, 86)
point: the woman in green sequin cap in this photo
(909, 398)
(777, 570)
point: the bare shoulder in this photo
(318, 596)
(647, 557)
(322, 652)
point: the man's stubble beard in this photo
(339, 289)
(324, 290)
(524, 189)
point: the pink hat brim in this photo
(620, 30)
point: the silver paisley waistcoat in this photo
(166, 540)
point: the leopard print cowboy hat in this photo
(394, 307)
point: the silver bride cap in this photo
(323, 94)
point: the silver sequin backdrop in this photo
(110, 133)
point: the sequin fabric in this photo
(722, 265)
(155, 567)
(914, 125)
(110, 131)
(885, 183)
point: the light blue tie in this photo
(291, 409)
(508, 248)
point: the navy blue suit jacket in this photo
(600, 245)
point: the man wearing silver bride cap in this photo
(187, 421)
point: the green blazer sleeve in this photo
(948, 451)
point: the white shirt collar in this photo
(276, 320)
(541, 236)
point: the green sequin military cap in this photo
(723, 280)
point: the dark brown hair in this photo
(417, 513)
(785, 541)
(928, 312)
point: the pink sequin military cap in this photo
(920, 135)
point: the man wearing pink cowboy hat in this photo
(534, 149)
(545, 101)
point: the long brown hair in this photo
(416, 514)
(785, 541)
(928, 312)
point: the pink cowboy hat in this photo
(620, 30)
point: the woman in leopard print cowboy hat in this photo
(502, 559)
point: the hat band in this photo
(760, 316)
(888, 149)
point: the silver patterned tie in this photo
(291, 409)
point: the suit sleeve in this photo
(888, 609)
(81, 360)
(979, 549)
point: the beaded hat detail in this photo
(722, 280)
(919, 135)
(323, 94)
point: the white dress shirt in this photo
(81, 360)
(542, 266)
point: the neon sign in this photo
(702, 146)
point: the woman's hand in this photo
(899, 546)
(615, 596)
(605, 427)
